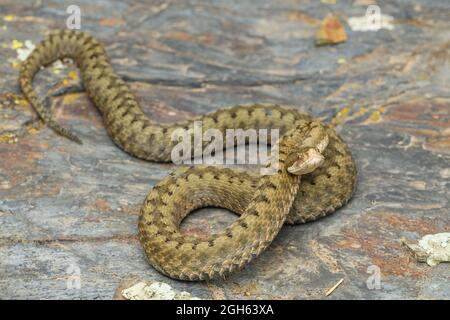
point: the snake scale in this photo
(316, 173)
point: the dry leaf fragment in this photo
(331, 31)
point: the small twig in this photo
(334, 287)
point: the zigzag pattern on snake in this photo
(316, 176)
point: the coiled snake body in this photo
(316, 173)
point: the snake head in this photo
(307, 160)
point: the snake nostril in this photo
(243, 224)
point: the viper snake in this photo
(316, 173)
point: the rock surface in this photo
(68, 213)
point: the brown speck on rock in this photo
(331, 31)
